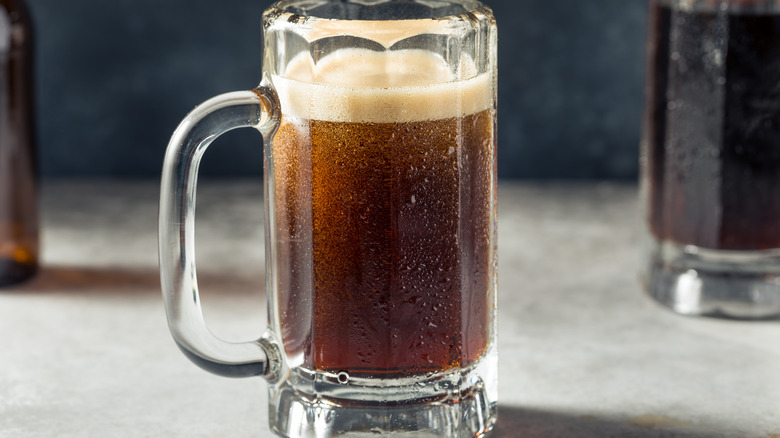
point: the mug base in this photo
(724, 284)
(457, 404)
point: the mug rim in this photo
(436, 9)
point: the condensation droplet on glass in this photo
(717, 57)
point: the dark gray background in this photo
(116, 76)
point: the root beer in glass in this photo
(379, 127)
(711, 157)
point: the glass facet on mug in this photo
(711, 157)
(379, 120)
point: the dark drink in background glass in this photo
(711, 155)
(714, 149)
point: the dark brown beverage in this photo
(712, 135)
(384, 235)
(18, 194)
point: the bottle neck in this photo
(15, 25)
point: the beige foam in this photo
(360, 85)
(384, 32)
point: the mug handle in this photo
(258, 108)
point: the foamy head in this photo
(360, 85)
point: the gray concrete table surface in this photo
(85, 350)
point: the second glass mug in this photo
(711, 158)
(378, 119)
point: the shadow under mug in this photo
(378, 119)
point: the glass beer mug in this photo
(379, 121)
(711, 157)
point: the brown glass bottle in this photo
(18, 173)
